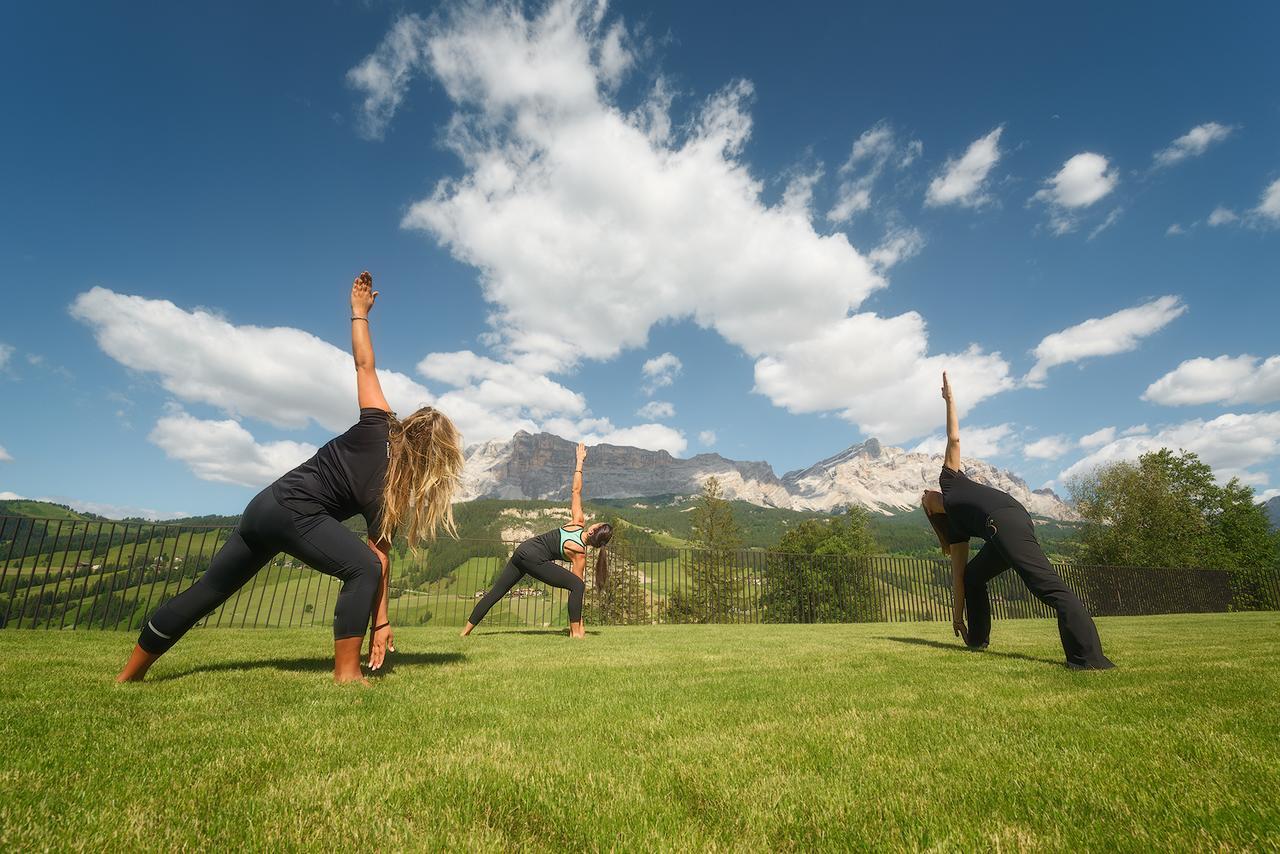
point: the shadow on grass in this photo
(548, 633)
(322, 664)
(957, 648)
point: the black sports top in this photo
(969, 504)
(552, 542)
(345, 477)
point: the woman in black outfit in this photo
(537, 557)
(965, 509)
(387, 470)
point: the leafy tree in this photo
(714, 590)
(817, 573)
(1166, 509)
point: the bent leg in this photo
(502, 585)
(984, 566)
(325, 544)
(552, 573)
(234, 564)
(1076, 628)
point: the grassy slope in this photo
(668, 738)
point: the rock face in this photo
(541, 466)
(871, 475)
(1273, 510)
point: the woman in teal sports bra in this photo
(537, 557)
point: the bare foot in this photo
(576, 630)
(466, 630)
(135, 670)
(350, 679)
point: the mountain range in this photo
(878, 477)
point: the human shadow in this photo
(318, 664)
(957, 648)
(550, 633)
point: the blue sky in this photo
(811, 208)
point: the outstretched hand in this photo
(960, 629)
(946, 387)
(362, 295)
(582, 453)
(380, 643)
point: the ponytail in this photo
(600, 539)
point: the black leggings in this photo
(265, 530)
(1014, 545)
(532, 560)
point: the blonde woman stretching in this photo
(394, 473)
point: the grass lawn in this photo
(657, 737)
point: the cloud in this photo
(707, 438)
(1174, 229)
(1105, 436)
(601, 431)
(1222, 216)
(1226, 379)
(1082, 181)
(383, 76)
(115, 511)
(977, 442)
(898, 245)
(657, 409)
(1047, 448)
(1106, 223)
(661, 371)
(1232, 444)
(10, 496)
(224, 451)
(1193, 143)
(1269, 205)
(1103, 336)
(6, 351)
(872, 152)
(639, 219)
(963, 180)
(280, 375)
(5, 456)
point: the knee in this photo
(366, 572)
(577, 587)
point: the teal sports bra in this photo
(571, 537)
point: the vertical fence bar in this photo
(26, 598)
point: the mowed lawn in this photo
(663, 737)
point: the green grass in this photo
(667, 737)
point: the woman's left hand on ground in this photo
(379, 645)
(961, 631)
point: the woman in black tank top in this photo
(537, 557)
(370, 470)
(964, 509)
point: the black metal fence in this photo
(70, 573)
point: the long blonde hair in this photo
(424, 466)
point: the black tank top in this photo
(345, 477)
(970, 504)
(548, 544)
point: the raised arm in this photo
(576, 507)
(952, 460)
(368, 389)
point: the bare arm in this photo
(578, 563)
(952, 460)
(959, 560)
(576, 507)
(368, 388)
(380, 641)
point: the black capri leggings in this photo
(531, 560)
(265, 530)
(1015, 545)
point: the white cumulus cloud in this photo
(1083, 180)
(661, 371)
(224, 451)
(872, 152)
(1105, 436)
(707, 438)
(963, 179)
(1222, 216)
(1048, 448)
(1269, 205)
(384, 75)
(281, 375)
(657, 409)
(977, 442)
(1103, 336)
(1226, 379)
(1193, 143)
(638, 219)
(1232, 444)
(5, 457)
